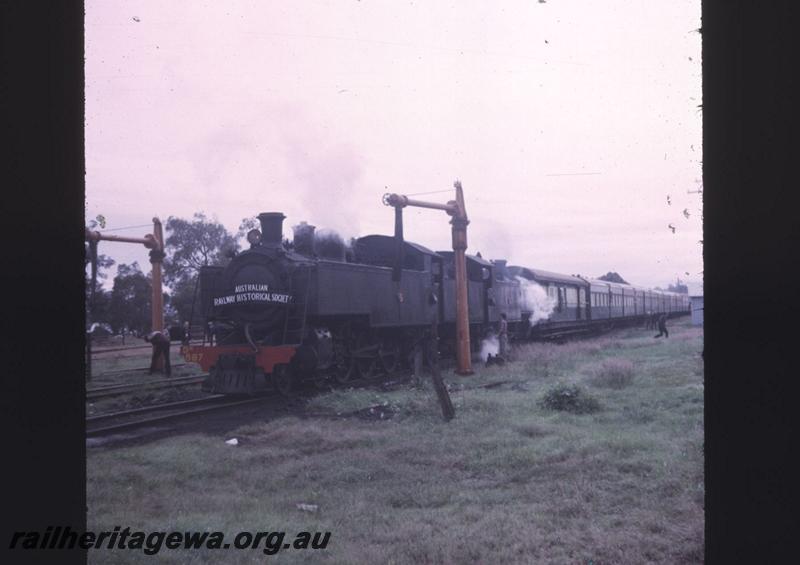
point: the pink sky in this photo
(314, 108)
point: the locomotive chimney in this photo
(304, 238)
(500, 268)
(271, 228)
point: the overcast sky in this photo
(574, 127)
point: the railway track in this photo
(137, 369)
(126, 420)
(115, 390)
(97, 349)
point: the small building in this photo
(697, 309)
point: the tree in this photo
(103, 262)
(182, 298)
(245, 226)
(131, 300)
(678, 287)
(195, 243)
(98, 310)
(612, 276)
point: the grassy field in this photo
(509, 480)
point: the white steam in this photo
(534, 298)
(489, 345)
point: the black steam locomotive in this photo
(317, 310)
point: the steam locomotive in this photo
(317, 310)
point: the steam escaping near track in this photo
(535, 299)
(489, 345)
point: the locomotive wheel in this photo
(282, 377)
(344, 370)
(366, 363)
(367, 366)
(389, 355)
(320, 380)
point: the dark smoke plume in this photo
(330, 245)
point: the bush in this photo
(613, 373)
(569, 398)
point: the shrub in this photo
(569, 398)
(613, 373)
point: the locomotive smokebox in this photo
(304, 238)
(271, 228)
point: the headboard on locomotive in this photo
(255, 290)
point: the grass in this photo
(569, 398)
(613, 373)
(129, 367)
(507, 480)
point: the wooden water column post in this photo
(457, 210)
(155, 243)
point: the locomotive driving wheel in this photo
(343, 367)
(365, 357)
(389, 355)
(282, 377)
(321, 379)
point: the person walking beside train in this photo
(160, 342)
(662, 326)
(503, 335)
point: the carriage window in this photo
(571, 296)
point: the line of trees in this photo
(613, 276)
(189, 244)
